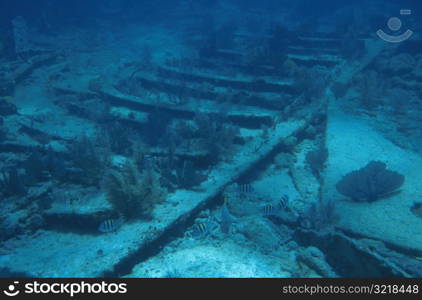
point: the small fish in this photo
(110, 225)
(244, 189)
(200, 230)
(277, 208)
(269, 210)
(284, 202)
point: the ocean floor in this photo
(226, 146)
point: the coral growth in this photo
(372, 88)
(210, 134)
(215, 135)
(370, 183)
(284, 160)
(310, 82)
(271, 50)
(12, 183)
(156, 127)
(400, 100)
(188, 176)
(131, 193)
(321, 215)
(42, 164)
(116, 137)
(90, 160)
(7, 108)
(401, 63)
(316, 160)
(179, 173)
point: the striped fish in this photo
(276, 208)
(284, 202)
(110, 225)
(244, 189)
(200, 230)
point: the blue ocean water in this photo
(210, 138)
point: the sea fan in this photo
(370, 183)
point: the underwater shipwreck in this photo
(210, 143)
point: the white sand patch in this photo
(352, 144)
(225, 260)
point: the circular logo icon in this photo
(11, 289)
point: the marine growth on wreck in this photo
(210, 139)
